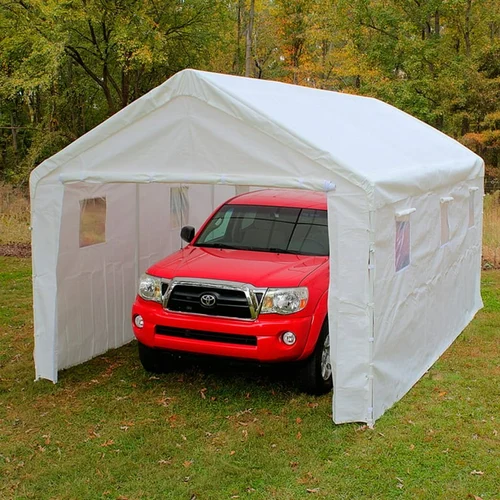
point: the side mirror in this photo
(187, 233)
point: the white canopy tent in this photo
(405, 218)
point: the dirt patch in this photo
(15, 250)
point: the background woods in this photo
(66, 66)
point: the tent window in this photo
(445, 223)
(179, 206)
(92, 221)
(472, 215)
(402, 243)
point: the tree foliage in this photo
(68, 65)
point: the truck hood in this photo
(261, 269)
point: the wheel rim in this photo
(326, 367)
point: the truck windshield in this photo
(300, 231)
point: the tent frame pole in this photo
(137, 234)
(371, 312)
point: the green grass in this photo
(109, 430)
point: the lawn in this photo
(109, 430)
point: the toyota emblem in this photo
(208, 300)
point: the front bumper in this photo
(267, 330)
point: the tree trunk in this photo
(107, 90)
(237, 55)
(468, 28)
(125, 87)
(465, 125)
(248, 51)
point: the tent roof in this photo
(365, 141)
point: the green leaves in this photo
(67, 65)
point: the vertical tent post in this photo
(137, 234)
(371, 312)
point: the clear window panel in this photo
(445, 224)
(179, 206)
(472, 222)
(92, 221)
(402, 244)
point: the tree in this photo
(249, 36)
(66, 66)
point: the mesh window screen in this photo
(402, 243)
(92, 221)
(179, 206)
(445, 223)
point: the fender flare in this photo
(319, 317)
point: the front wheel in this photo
(315, 374)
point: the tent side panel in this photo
(423, 307)
(96, 271)
(46, 207)
(349, 313)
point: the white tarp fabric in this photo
(404, 272)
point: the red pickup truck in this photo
(252, 284)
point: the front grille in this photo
(225, 338)
(231, 303)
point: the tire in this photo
(315, 374)
(156, 360)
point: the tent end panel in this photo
(46, 209)
(349, 312)
(351, 405)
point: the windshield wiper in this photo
(272, 250)
(218, 245)
(281, 250)
(295, 252)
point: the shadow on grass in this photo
(235, 377)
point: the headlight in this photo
(150, 288)
(284, 300)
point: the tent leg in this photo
(371, 309)
(137, 234)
